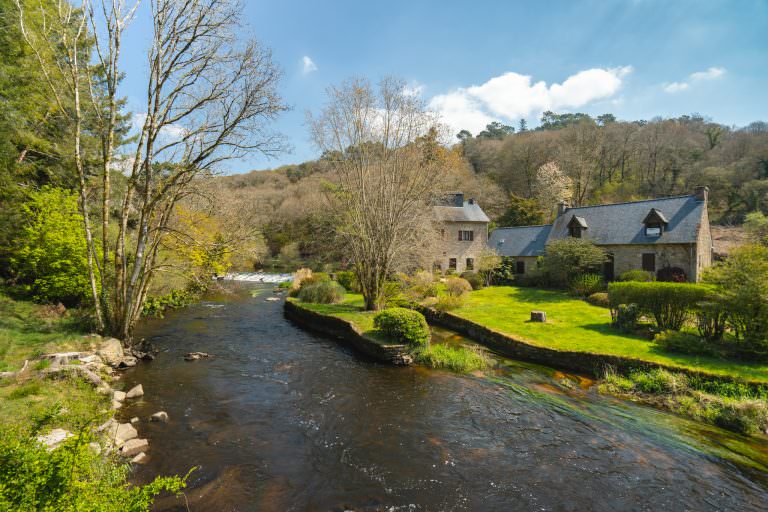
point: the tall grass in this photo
(457, 359)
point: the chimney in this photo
(701, 194)
(458, 199)
(561, 207)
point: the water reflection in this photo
(282, 419)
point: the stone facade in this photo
(450, 247)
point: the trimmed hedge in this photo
(403, 325)
(670, 304)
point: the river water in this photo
(282, 419)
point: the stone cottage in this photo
(462, 229)
(655, 234)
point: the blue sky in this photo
(506, 60)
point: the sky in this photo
(477, 62)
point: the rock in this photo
(107, 426)
(116, 405)
(119, 396)
(104, 390)
(111, 351)
(135, 420)
(123, 433)
(11, 375)
(95, 447)
(194, 356)
(159, 416)
(81, 370)
(273, 299)
(127, 362)
(134, 447)
(53, 439)
(92, 359)
(538, 316)
(141, 458)
(135, 392)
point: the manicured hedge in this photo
(670, 304)
(403, 325)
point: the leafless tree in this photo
(376, 139)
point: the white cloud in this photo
(513, 96)
(712, 73)
(308, 65)
(170, 132)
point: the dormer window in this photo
(654, 222)
(576, 226)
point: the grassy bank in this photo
(574, 325)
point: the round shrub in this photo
(599, 299)
(474, 279)
(637, 275)
(626, 316)
(585, 285)
(423, 285)
(348, 280)
(322, 292)
(457, 286)
(403, 325)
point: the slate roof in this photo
(470, 212)
(609, 224)
(622, 223)
(519, 241)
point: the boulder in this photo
(135, 420)
(159, 416)
(119, 396)
(111, 351)
(127, 362)
(273, 299)
(194, 356)
(54, 438)
(141, 458)
(107, 426)
(135, 392)
(538, 316)
(123, 433)
(92, 359)
(116, 405)
(134, 447)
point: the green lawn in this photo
(575, 325)
(350, 309)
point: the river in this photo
(282, 419)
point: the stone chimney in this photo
(458, 199)
(701, 194)
(561, 207)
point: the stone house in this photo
(655, 234)
(462, 233)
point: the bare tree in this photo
(376, 139)
(209, 99)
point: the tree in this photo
(209, 99)
(552, 186)
(384, 179)
(522, 126)
(522, 212)
(463, 135)
(756, 224)
(486, 263)
(496, 130)
(568, 258)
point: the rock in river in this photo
(194, 356)
(135, 392)
(134, 447)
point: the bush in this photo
(658, 381)
(474, 279)
(670, 304)
(711, 319)
(457, 286)
(585, 285)
(683, 343)
(298, 277)
(449, 302)
(348, 280)
(637, 275)
(599, 299)
(403, 325)
(423, 285)
(626, 316)
(457, 359)
(742, 417)
(567, 258)
(322, 292)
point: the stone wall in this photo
(449, 245)
(630, 257)
(704, 246)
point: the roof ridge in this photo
(629, 202)
(519, 227)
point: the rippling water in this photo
(282, 419)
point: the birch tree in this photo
(374, 138)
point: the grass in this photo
(457, 359)
(575, 325)
(351, 309)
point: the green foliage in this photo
(712, 318)
(156, 305)
(684, 343)
(585, 285)
(457, 286)
(504, 273)
(321, 291)
(669, 304)
(457, 359)
(348, 280)
(742, 280)
(599, 299)
(50, 254)
(71, 478)
(422, 285)
(522, 212)
(756, 224)
(637, 275)
(403, 325)
(449, 302)
(626, 316)
(474, 279)
(568, 258)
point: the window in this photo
(520, 267)
(575, 231)
(653, 230)
(466, 236)
(452, 264)
(470, 263)
(649, 262)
